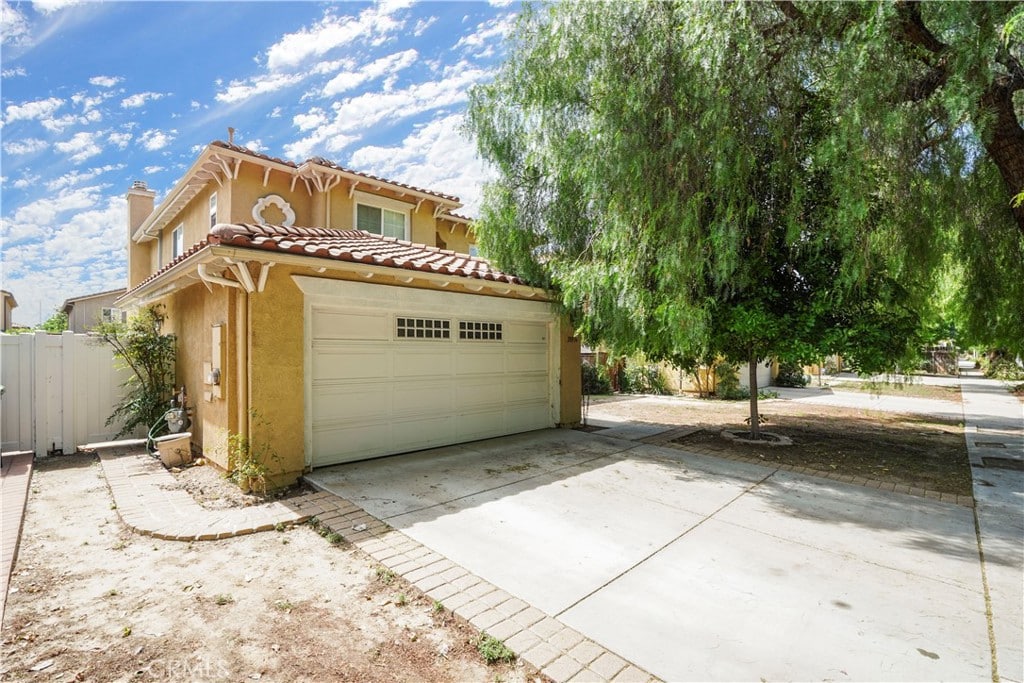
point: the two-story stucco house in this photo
(344, 309)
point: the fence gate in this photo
(58, 392)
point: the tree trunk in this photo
(1005, 143)
(755, 419)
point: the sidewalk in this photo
(994, 429)
(15, 476)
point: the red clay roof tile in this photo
(357, 246)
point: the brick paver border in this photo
(556, 650)
(148, 503)
(14, 485)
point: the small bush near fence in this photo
(728, 384)
(595, 380)
(790, 375)
(642, 378)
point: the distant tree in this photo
(671, 169)
(56, 323)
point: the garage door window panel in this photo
(423, 328)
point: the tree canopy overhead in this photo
(675, 167)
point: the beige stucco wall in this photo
(570, 379)
(190, 316)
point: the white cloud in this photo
(72, 178)
(26, 181)
(25, 146)
(80, 147)
(140, 99)
(255, 145)
(238, 91)
(373, 25)
(435, 156)
(275, 113)
(422, 25)
(89, 103)
(13, 73)
(51, 6)
(313, 118)
(194, 104)
(153, 169)
(355, 115)
(119, 139)
(105, 81)
(347, 80)
(154, 140)
(488, 35)
(37, 109)
(13, 24)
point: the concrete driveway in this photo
(696, 568)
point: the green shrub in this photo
(493, 650)
(595, 380)
(1004, 368)
(790, 375)
(728, 387)
(642, 378)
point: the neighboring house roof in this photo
(7, 295)
(223, 158)
(70, 303)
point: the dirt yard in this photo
(91, 601)
(915, 450)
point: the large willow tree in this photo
(755, 179)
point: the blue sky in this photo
(96, 95)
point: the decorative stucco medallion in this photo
(273, 200)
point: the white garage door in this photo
(393, 370)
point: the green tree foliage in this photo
(687, 176)
(150, 355)
(56, 323)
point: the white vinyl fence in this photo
(58, 392)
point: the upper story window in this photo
(474, 250)
(381, 216)
(177, 242)
(213, 209)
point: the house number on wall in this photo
(275, 200)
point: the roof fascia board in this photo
(184, 182)
(308, 167)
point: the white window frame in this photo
(113, 315)
(372, 200)
(213, 209)
(178, 241)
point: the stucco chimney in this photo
(140, 205)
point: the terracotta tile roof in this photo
(320, 161)
(198, 246)
(356, 246)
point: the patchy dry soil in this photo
(91, 601)
(915, 450)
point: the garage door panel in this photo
(349, 442)
(350, 363)
(416, 360)
(415, 435)
(518, 361)
(352, 402)
(430, 398)
(481, 424)
(357, 325)
(479, 360)
(478, 393)
(525, 418)
(525, 332)
(527, 389)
